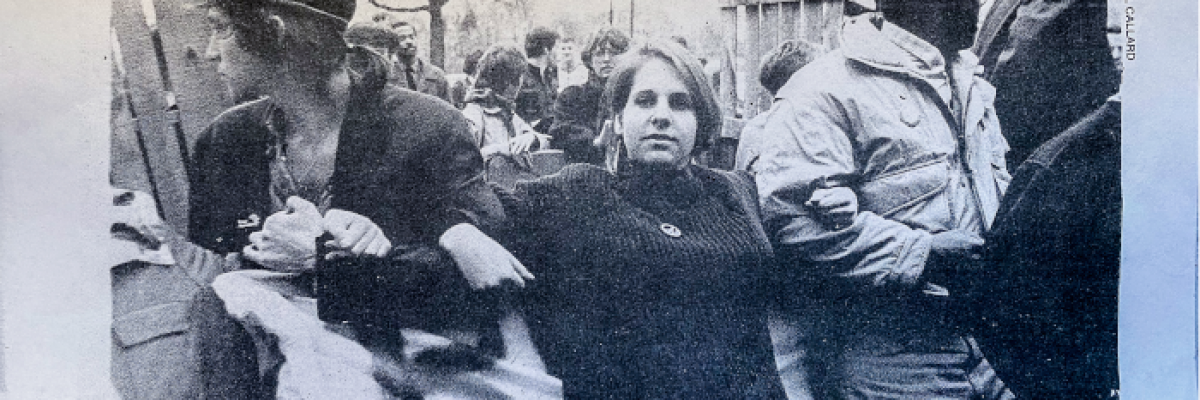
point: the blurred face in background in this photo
(565, 55)
(1116, 31)
(658, 122)
(604, 60)
(408, 41)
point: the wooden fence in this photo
(165, 93)
(752, 28)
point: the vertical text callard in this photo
(1130, 42)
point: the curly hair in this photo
(539, 41)
(500, 68)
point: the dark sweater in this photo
(621, 308)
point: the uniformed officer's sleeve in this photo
(455, 168)
(806, 143)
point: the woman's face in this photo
(658, 121)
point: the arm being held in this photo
(809, 147)
(483, 261)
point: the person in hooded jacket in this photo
(898, 116)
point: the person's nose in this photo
(211, 52)
(660, 116)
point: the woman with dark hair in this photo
(578, 116)
(651, 273)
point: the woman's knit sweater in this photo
(649, 284)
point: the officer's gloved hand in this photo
(288, 240)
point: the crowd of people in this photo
(365, 228)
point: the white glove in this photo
(354, 235)
(483, 262)
(288, 240)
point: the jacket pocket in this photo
(910, 196)
(149, 323)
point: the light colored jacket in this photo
(876, 116)
(490, 131)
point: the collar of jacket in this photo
(360, 102)
(401, 66)
(543, 74)
(891, 48)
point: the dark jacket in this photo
(535, 100)
(1051, 66)
(577, 121)
(621, 308)
(404, 160)
(1046, 313)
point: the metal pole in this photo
(631, 18)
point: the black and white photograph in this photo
(599, 199)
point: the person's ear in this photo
(278, 30)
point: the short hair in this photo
(704, 99)
(610, 37)
(500, 68)
(400, 24)
(539, 41)
(314, 44)
(471, 63)
(372, 35)
(784, 60)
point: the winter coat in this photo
(864, 117)
(578, 118)
(881, 117)
(535, 100)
